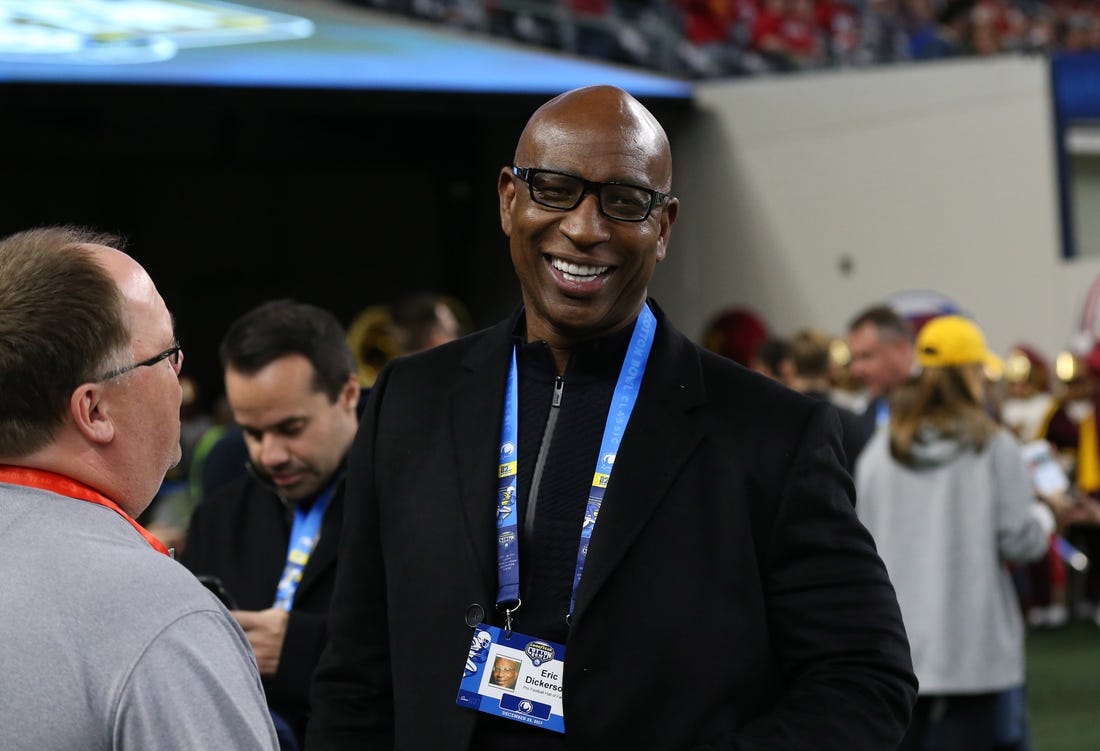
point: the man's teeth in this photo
(576, 273)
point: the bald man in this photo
(662, 540)
(105, 641)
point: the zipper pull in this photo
(559, 387)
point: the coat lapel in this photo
(477, 405)
(659, 438)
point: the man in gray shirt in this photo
(105, 641)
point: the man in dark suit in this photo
(271, 535)
(721, 594)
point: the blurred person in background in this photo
(806, 369)
(1071, 430)
(270, 536)
(948, 498)
(1024, 408)
(736, 333)
(880, 343)
(1027, 400)
(424, 320)
(771, 358)
(844, 391)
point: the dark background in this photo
(230, 197)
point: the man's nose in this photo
(585, 224)
(273, 451)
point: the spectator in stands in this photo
(718, 38)
(985, 29)
(883, 33)
(786, 35)
(715, 33)
(927, 40)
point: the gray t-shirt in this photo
(107, 644)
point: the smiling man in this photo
(662, 540)
(271, 536)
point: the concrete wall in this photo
(808, 197)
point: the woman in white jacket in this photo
(948, 498)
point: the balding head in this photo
(594, 116)
(64, 321)
(85, 393)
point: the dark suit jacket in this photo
(240, 534)
(854, 431)
(730, 598)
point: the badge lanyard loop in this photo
(622, 404)
(304, 534)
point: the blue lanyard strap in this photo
(507, 521)
(622, 405)
(882, 411)
(304, 534)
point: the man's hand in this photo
(266, 630)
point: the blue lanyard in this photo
(304, 534)
(622, 404)
(882, 411)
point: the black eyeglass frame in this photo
(171, 352)
(656, 197)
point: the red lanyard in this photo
(55, 483)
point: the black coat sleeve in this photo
(832, 612)
(352, 691)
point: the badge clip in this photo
(508, 618)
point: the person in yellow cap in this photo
(947, 496)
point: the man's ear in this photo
(91, 414)
(349, 393)
(668, 218)
(506, 190)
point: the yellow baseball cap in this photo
(947, 341)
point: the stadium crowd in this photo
(714, 38)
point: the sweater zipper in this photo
(544, 449)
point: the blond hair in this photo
(942, 399)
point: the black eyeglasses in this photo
(558, 190)
(173, 355)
